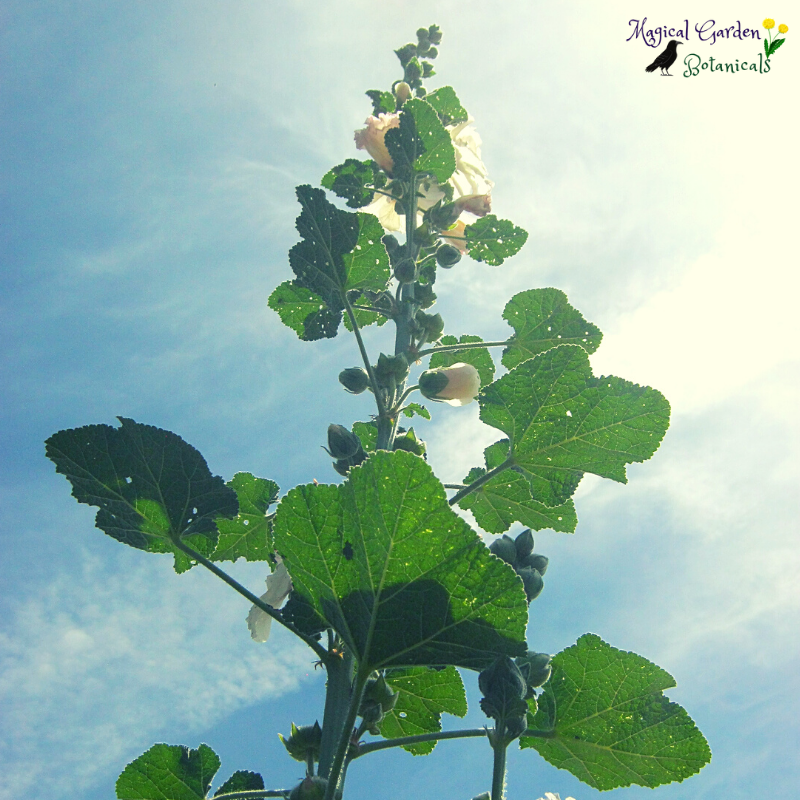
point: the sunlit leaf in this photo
(425, 694)
(152, 488)
(400, 576)
(541, 319)
(562, 421)
(169, 772)
(611, 725)
(493, 240)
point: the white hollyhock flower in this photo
(470, 181)
(554, 796)
(279, 584)
(457, 385)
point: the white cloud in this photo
(96, 666)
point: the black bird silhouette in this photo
(666, 59)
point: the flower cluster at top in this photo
(470, 187)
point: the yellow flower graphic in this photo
(769, 23)
(783, 28)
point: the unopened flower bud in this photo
(536, 561)
(442, 217)
(310, 788)
(448, 256)
(402, 92)
(410, 444)
(378, 691)
(390, 243)
(405, 270)
(389, 367)
(303, 741)
(456, 385)
(406, 53)
(432, 325)
(342, 443)
(524, 545)
(504, 548)
(504, 689)
(532, 581)
(413, 70)
(535, 668)
(354, 379)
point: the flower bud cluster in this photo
(414, 70)
(528, 565)
(504, 691)
(312, 787)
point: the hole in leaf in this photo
(247, 522)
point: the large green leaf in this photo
(425, 694)
(304, 312)
(249, 534)
(611, 724)
(340, 252)
(447, 105)
(353, 181)
(493, 240)
(152, 488)
(169, 772)
(541, 319)
(402, 578)
(562, 421)
(421, 143)
(479, 357)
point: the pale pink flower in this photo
(279, 584)
(455, 236)
(554, 796)
(372, 138)
(457, 385)
(478, 204)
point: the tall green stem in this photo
(344, 736)
(337, 701)
(499, 768)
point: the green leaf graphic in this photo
(541, 319)
(613, 726)
(304, 312)
(421, 143)
(478, 357)
(151, 487)
(775, 45)
(353, 181)
(396, 572)
(248, 535)
(425, 694)
(447, 105)
(241, 781)
(766, 48)
(169, 772)
(493, 240)
(562, 421)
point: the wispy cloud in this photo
(100, 664)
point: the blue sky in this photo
(149, 157)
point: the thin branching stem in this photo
(476, 484)
(402, 741)
(367, 364)
(321, 652)
(449, 348)
(253, 794)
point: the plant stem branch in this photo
(372, 747)
(373, 309)
(321, 652)
(372, 380)
(253, 794)
(445, 348)
(499, 768)
(406, 393)
(344, 737)
(337, 701)
(476, 484)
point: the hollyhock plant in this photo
(395, 594)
